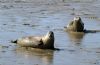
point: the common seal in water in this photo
(76, 25)
(43, 42)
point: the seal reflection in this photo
(76, 37)
(35, 56)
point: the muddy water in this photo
(20, 18)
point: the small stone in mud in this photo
(58, 29)
(72, 13)
(97, 52)
(3, 51)
(81, 48)
(47, 27)
(95, 63)
(31, 12)
(36, 64)
(34, 25)
(66, 4)
(4, 24)
(26, 24)
(18, 1)
(4, 46)
(6, 7)
(11, 6)
(71, 50)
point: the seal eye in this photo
(51, 34)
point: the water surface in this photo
(20, 18)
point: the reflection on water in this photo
(35, 55)
(76, 37)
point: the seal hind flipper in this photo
(14, 41)
(91, 31)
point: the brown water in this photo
(20, 18)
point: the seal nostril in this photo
(50, 32)
(51, 35)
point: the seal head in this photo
(48, 40)
(76, 25)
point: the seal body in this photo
(44, 42)
(76, 25)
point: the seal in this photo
(43, 42)
(76, 25)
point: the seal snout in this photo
(51, 34)
(77, 19)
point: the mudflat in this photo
(20, 18)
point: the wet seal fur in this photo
(42, 42)
(77, 25)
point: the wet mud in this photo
(20, 18)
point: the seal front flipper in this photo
(41, 42)
(14, 41)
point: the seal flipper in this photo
(14, 41)
(41, 42)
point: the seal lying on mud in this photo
(43, 42)
(76, 25)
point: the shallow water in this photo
(20, 18)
